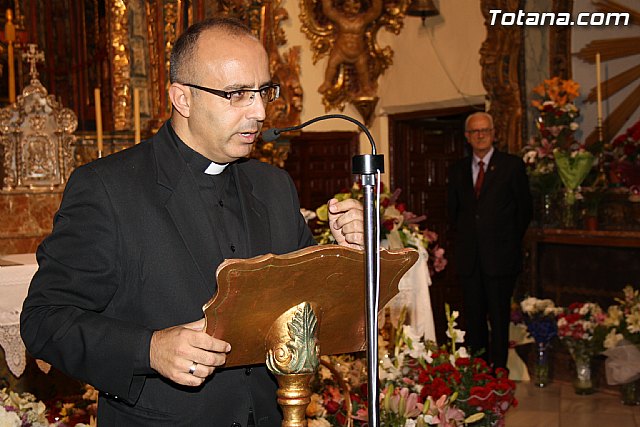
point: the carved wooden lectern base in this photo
(282, 309)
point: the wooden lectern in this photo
(287, 310)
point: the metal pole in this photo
(372, 279)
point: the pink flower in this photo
(445, 415)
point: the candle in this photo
(96, 94)
(598, 91)
(136, 114)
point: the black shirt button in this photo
(233, 248)
(236, 425)
(247, 371)
(221, 203)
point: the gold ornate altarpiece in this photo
(502, 75)
(122, 45)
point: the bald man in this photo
(117, 300)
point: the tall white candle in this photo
(598, 90)
(96, 94)
(136, 114)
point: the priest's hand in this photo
(186, 354)
(346, 222)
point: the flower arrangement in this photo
(399, 226)
(556, 124)
(24, 409)
(578, 322)
(540, 318)
(421, 385)
(623, 319)
(622, 340)
(21, 409)
(557, 112)
(555, 152)
(622, 156)
(577, 329)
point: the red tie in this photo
(479, 179)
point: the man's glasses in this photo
(244, 97)
(476, 132)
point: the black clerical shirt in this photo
(220, 197)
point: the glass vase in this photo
(583, 382)
(548, 206)
(568, 215)
(581, 353)
(541, 377)
(630, 393)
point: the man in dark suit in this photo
(117, 300)
(489, 210)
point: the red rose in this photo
(332, 406)
(463, 361)
(388, 224)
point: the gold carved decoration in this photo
(560, 43)
(120, 76)
(611, 49)
(292, 342)
(171, 33)
(500, 54)
(346, 32)
(265, 20)
(36, 133)
(293, 358)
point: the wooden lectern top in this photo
(253, 293)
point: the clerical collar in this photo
(197, 161)
(215, 168)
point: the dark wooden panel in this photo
(320, 165)
(581, 265)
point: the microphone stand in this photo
(367, 166)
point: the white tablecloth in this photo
(414, 295)
(14, 284)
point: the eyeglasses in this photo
(244, 97)
(484, 131)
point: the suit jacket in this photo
(491, 227)
(132, 251)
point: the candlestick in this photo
(96, 94)
(598, 97)
(10, 37)
(136, 114)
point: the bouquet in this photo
(540, 318)
(556, 124)
(24, 409)
(577, 329)
(622, 156)
(21, 409)
(421, 385)
(399, 226)
(578, 322)
(622, 340)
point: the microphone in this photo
(364, 165)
